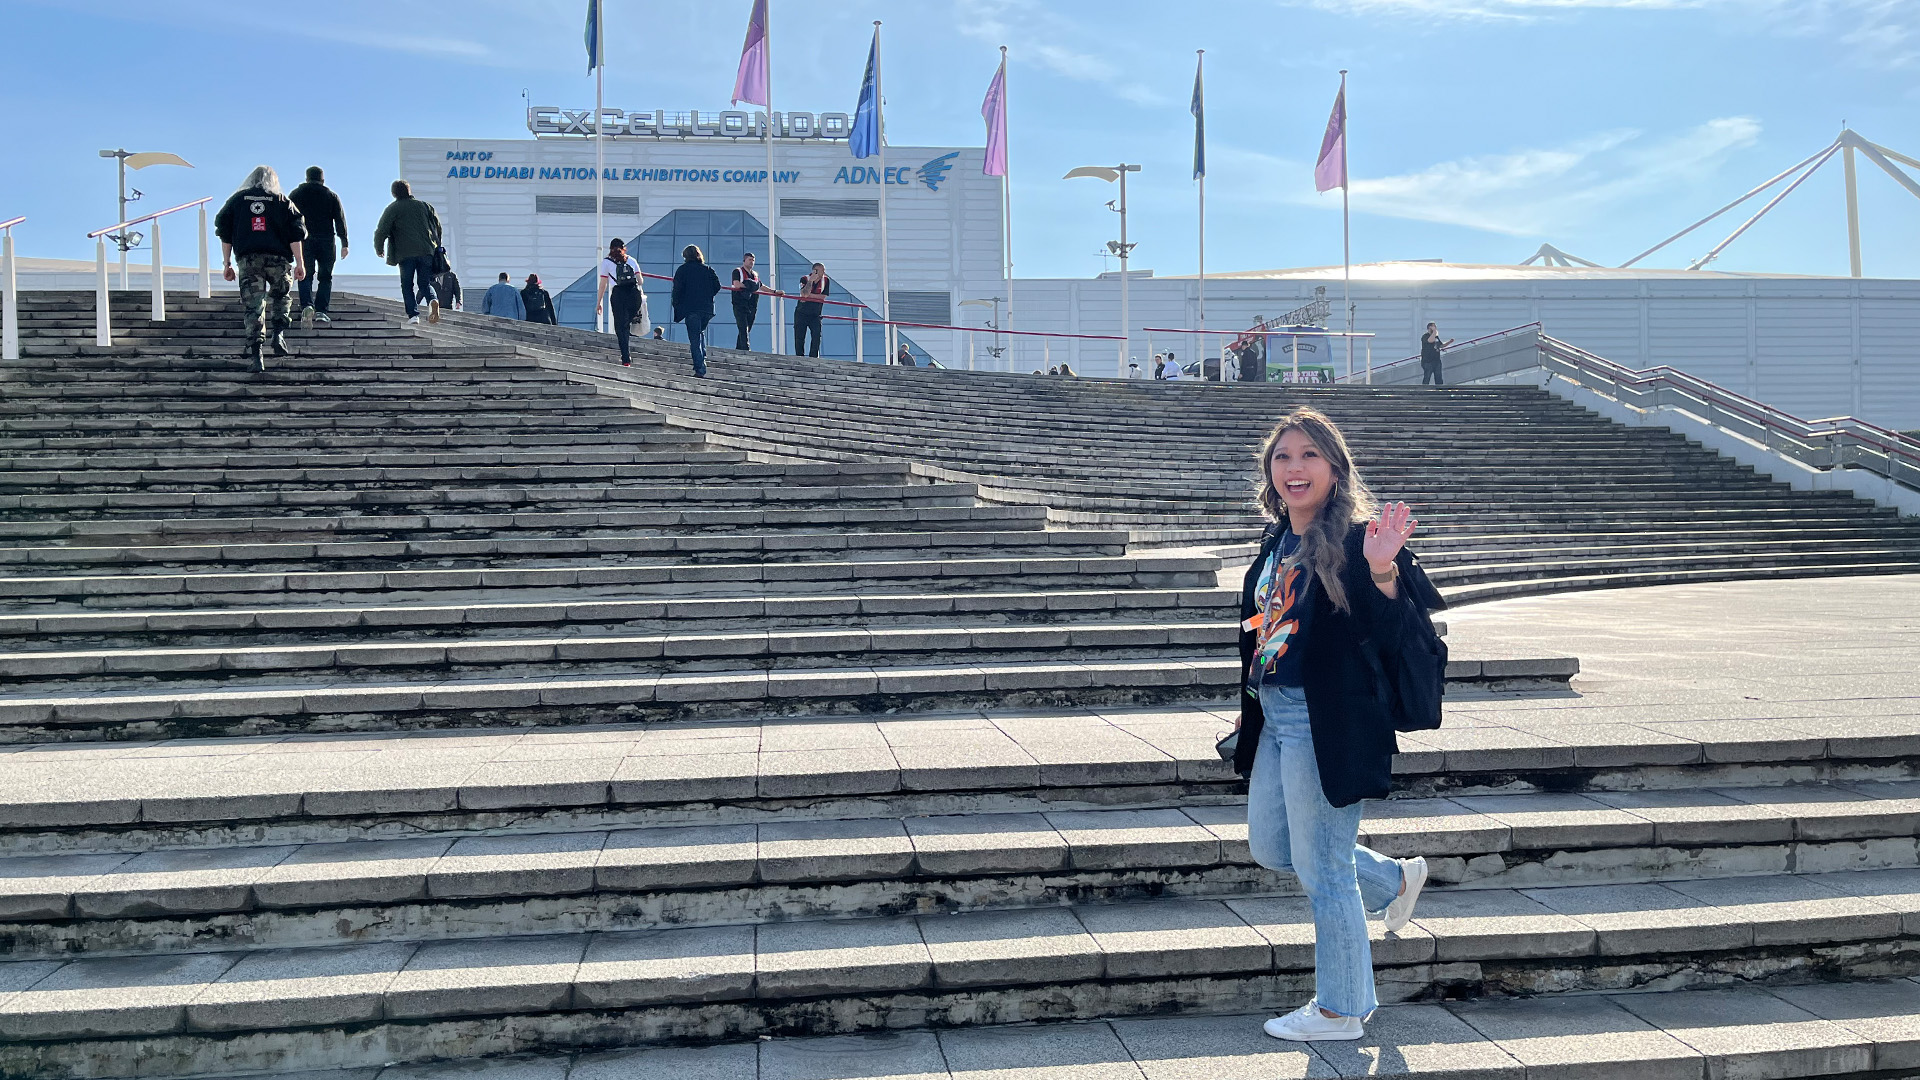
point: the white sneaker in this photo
(433, 311)
(413, 320)
(1414, 872)
(1308, 1024)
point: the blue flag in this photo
(1199, 110)
(864, 139)
(593, 34)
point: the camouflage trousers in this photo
(266, 282)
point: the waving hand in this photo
(1388, 534)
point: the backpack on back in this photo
(624, 276)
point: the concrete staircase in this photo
(413, 703)
(1518, 492)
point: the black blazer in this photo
(1347, 696)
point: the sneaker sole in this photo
(1325, 1037)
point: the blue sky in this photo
(1480, 128)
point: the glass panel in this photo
(728, 222)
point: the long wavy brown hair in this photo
(1323, 548)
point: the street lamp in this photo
(1121, 247)
(993, 302)
(128, 159)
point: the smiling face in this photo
(1302, 475)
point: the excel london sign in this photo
(692, 124)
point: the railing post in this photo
(859, 335)
(206, 268)
(159, 278)
(102, 299)
(10, 306)
(1369, 361)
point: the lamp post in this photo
(994, 302)
(125, 159)
(1120, 248)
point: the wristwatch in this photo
(1384, 578)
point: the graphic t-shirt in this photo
(1280, 609)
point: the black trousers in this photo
(625, 305)
(1430, 372)
(320, 274)
(806, 317)
(743, 316)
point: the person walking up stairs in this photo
(264, 230)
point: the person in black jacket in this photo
(265, 232)
(694, 287)
(538, 301)
(1321, 604)
(325, 220)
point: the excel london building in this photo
(1816, 346)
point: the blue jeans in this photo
(1291, 826)
(697, 340)
(416, 268)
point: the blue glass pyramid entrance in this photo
(725, 236)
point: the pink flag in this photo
(1330, 171)
(750, 82)
(994, 109)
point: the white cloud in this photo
(1532, 192)
(1027, 27)
(1886, 32)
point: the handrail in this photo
(10, 303)
(1835, 431)
(859, 318)
(143, 220)
(103, 303)
(1462, 344)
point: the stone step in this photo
(1607, 778)
(631, 549)
(1864, 564)
(1788, 1033)
(636, 431)
(276, 1009)
(555, 496)
(1632, 850)
(843, 610)
(561, 584)
(574, 654)
(533, 455)
(721, 472)
(372, 704)
(510, 526)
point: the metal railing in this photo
(102, 320)
(1836, 442)
(10, 304)
(1482, 339)
(863, 316)
(1294, 334)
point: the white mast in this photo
(604, 319)
(1006, 224)
(1346, 232)
(880, 114)
(773, 242)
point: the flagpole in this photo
(604, 320)
(773, 242)
(1006, 225)
(880, 115)
(1200, 133)
(1346, 232)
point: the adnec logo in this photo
(932, 174)
(935, 171)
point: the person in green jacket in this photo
(409, 230)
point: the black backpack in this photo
(624, 276)
(1416, 676)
